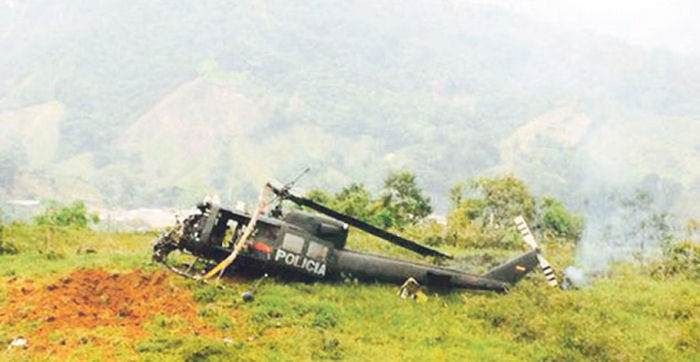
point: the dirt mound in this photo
(96, 298)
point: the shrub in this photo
(475, 236)
(429, 232)
(73, 214)
(5, 247)
(681, 258)
(555, 219)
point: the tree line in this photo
(481, 212)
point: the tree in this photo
(649, 225)
(404, 199)
(354, 200)
(483, 211)
(494, 201)
(401, 203)
(320, 196)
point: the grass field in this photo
(627, 315)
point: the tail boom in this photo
(391, 270)
(515, 269)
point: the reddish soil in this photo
(96, 298)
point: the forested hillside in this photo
(148, 103)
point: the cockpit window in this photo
(317, 251)
(293, 243)
(266, 232)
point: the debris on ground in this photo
(411, 289)
(17, 342)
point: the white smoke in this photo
(574, 278)
(627, 224)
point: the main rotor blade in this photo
(371, 229)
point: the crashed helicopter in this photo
(314, 246)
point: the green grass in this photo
(622, 318)
(52, 250)
(628, 316)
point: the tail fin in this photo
(513, 270)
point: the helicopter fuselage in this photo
(314, 246)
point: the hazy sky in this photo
(670, 24)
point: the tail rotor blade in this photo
(525, 232)
(548, 271)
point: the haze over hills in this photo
(141, 103)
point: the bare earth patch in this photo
(87, 299)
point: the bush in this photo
(554, 219)
(466, 234)
(681, 258)
(66, 215)
(429, 232)
(5, 247)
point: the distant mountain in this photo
(135, 103)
